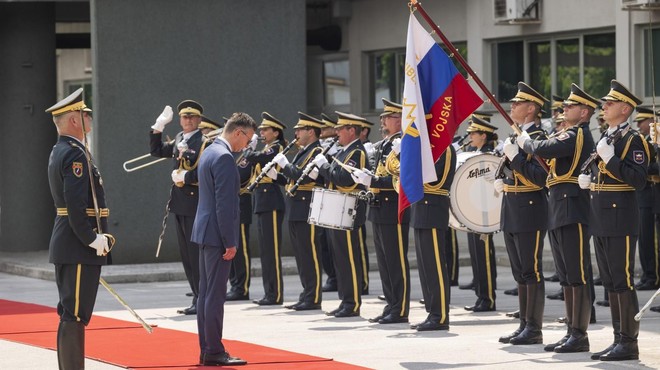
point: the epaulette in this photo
(73, 144)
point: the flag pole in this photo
(418, 7)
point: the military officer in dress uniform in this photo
(482, 250)
(649, 257)
(306, 249)
(78, 248)
(269, 209)
(524, 217)
(429, 247)
(569, 217)
(621, 169)
(239, 275)
(346, 244)
(185, 150)
(654, 176)
(207, 125)
(390, 234)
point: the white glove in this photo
(396, 145)
(319, 160)
(100, 244)
(361, 177)
(179, 176)
(499, 185)
(281, 160)
(605, 150)
(369, 148)
(272, 173)
(253, 142)
(522, 138)
(163, 119)
(456, 146)
(314, 174)
(584, 181)
(510, 149)
(654, 132)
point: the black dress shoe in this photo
(553, 278)
(266, 302)
(381, 297)
(192, 310)
(579, 343)
(551, 347)
(190, 294)
(346, 313)
(557, 296)
(466, 286)
(623, 351)
(376, 319)
(333, 312)
(513, 291)
(293, 306)
(514, 314)
(307, 306)
(604, 303)
(430, 325)
(596, 355)
(236, 296)
(414, 326)
(655, 308)
(483, 307)
(393, 319)
(329, 286)
(422, 301)
(646, 285)
(222, 359)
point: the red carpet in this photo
(128, 345)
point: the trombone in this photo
(209, 136)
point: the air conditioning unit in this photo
(516, 11)
(640, 4)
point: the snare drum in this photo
(475, 205)
(332, 209)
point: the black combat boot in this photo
(522, 302)
(71, 345)
(568, 303)
(627, 348)
(579, 340)
(535, 305)
(616, 325)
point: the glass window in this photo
(568, 66)
(652, 73)
(510, 69)
(599, 63)
(337, 85)
(539, 67)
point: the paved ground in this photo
(471, 341)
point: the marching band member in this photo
(269, 209)
(185, 149)
(346, 243)
(524, 217)
(428, 231)
(327, 138)
(481, 248)
(303, 235)
(621, 170)
(390, 235)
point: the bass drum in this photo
(475, 205)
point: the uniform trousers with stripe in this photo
(269, 225)
(556, 256)
(391, 244)
(616, 261)
(526, 256)
(451, 255)
(189, 252)
(346, 254)
(364, 258)
(326, 253)
(77, 286)
(430, 245)
(649, 256)
(307, 252)
(573, 253)
(239, 275)
(482, 253)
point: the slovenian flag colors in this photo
(436, 99)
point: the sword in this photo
(112, 292)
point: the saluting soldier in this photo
(269, 209)
(240, 272)
(482, 250)
(306, 249)
(390, 234)
(77, 248)
(524, 217)
(620, 170)
(649, 257)
(428, 232)
(346, 244)
(569, 214)
(185, 151)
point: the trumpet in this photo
(268, 166)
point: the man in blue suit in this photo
(216, 232)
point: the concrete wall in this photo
(27, 88)
(230, 56)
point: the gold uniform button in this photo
(303, 198)
(564, 195)
(531, 202)
(426, 202)
(386, 199)
(192, 193)
(613, 205)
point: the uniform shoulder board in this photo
(73, 144)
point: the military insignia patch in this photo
(351, 163)
(77, 168)
(243, 163)
(638, 156)
(563, 136)
(269, 151)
